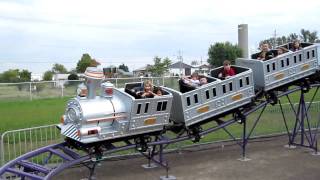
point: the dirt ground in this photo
(269, 160)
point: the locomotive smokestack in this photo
(93, 76)
(243, 39)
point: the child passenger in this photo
(227, 71)
(194, 81)
(147, 91)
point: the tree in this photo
(223, 51)
(12, 75)
(305, 36)
(73, 77)
(124, 67)
(59, 68)
(25, 76)
(86, 61)
(160, 66)
(47, 76)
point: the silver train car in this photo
(214, 98)
(285, 68)
(113, 114)
(120, 113)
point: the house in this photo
(180, 68)
(202, 69)
(36, 77)
(60, 79)
(143, 71)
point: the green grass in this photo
(24, 114)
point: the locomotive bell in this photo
(94, 77)
(107, 89)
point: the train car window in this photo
(282, 63)
(146, 108)
(300, 57)
(214, 92)
(268, 68)
(195, 98)
(188, 101)
(207, 94)
(295, 59)
(224, 88)
(273, 66)
(240, 83)
(247, 80)
(139, 109)
(230, 86)
(288, 62)
(308, 55)
(313, 54)
(164, 105)
(159, 106)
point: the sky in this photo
(35, 34)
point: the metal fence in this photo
(17, 142)
(50, 89)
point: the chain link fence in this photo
(52, 89)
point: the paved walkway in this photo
(269, 160)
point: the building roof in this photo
(144, 68)
(179, 65)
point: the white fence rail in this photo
(47, 89)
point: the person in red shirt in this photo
(227, 71)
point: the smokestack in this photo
(94, 77)
(243, 39)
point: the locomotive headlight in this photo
(73, 114)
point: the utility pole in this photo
(275, 39)
(180, 58)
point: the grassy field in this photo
(24, 114)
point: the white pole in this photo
(243, 39)
(30, 91)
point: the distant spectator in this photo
(296, 46)
(265, 53)
(227, 71)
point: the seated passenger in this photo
(265, 54)
(203, 81)
(158, 91)
(281, 50)
(147, 90)
(194, 81)
(227, 71)
(296, 46)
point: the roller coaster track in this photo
(22, 167)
